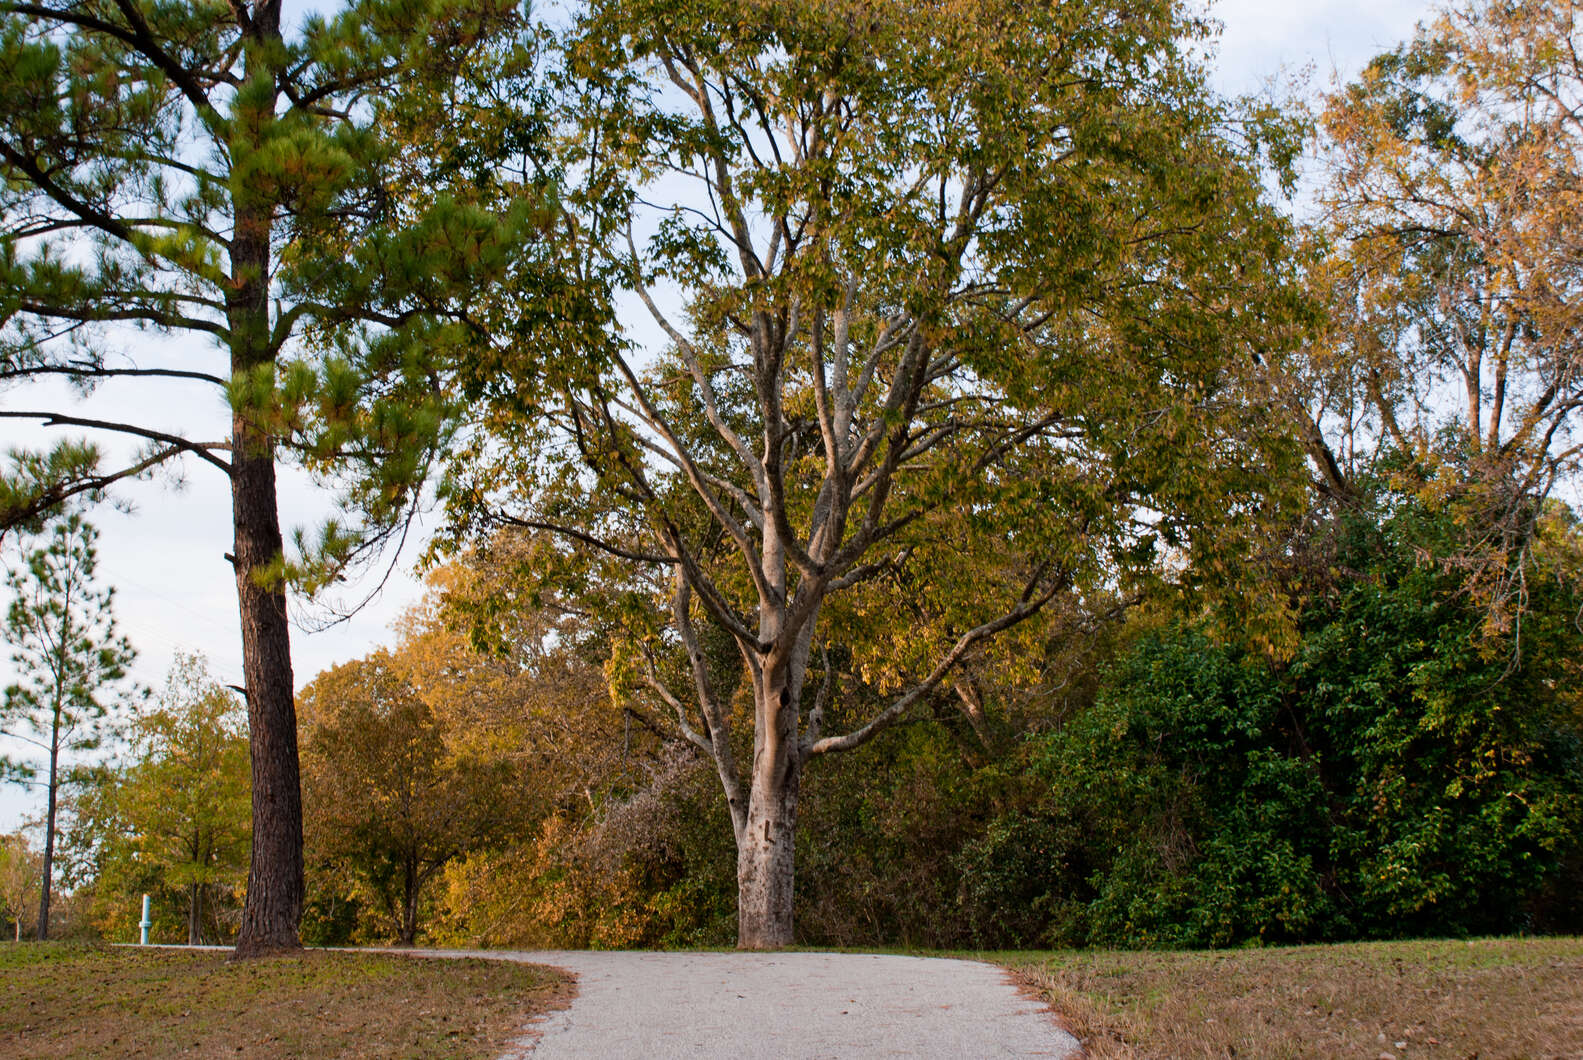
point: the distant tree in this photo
(68, 656)
(1454, 199)
(390, 801)
(20, 868)
(180, 807)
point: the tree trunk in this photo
(409, 904)
(273, 907)
(408, 929)
(765, 871)
(766, 845)
(194, 914)
(49, 826)
(272, 910)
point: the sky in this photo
(165, 558)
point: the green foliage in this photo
(173, 819)
(1402, 774)
(1458, 774)
(1201, 821)
(301, 200)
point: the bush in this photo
(1407, 772)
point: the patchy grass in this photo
(77, 1001)
(1459, 999)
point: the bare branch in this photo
(586, 538)
(89, 372)
(718, 722)
(651, 678)
(202, 450)
(695, 476)
(706, 390)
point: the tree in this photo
(201, 172)
(1453, 202)
(391, 801)
(20, 871)
(64, 645)
(179, 810)
(950, 269)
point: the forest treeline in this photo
(1394, 770)
(906, 476)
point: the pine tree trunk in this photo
(273, 907)
(49, 826)
(272, 910)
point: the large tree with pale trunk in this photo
(948, 301)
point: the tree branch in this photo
(1033, 599)
(202, 450)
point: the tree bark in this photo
(273, 907)
(766, 867)
(49, 826)
(272, 910)
(766, 844)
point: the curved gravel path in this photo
(790, 1006)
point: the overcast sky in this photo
(174, 589)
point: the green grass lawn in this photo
(65, 1000)
(1485, 998)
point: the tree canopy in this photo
(923, 277)
(1451, 208)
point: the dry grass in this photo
(75, 1001)
(1484, 999)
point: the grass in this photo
(1455, 999)
(77, 1001)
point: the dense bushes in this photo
(1407, 771)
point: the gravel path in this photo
(790, 1006)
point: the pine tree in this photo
(66, 650)
(199, 172)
